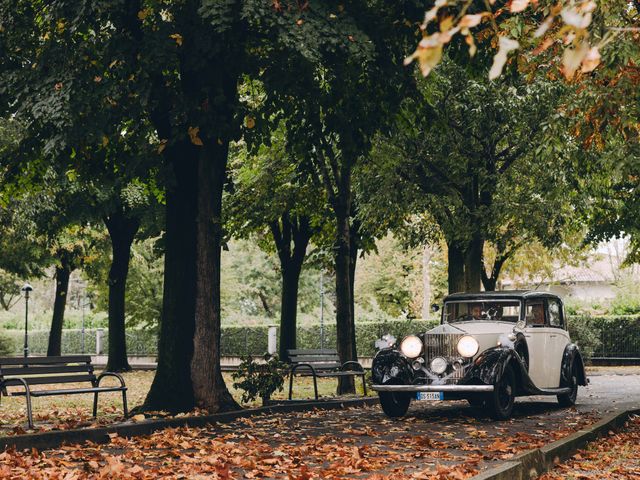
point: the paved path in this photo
(435, 440)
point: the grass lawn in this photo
(74, 411)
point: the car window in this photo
(473, 310)
(555, 316)
(534, 313)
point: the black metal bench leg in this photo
(29, 412)
(124, 404)
(95, 404)
(364, 385)
(290, 385)
(315, 385)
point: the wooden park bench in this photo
(320, 364)
(30, 371)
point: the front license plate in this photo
(429, 396)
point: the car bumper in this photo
(433, 388)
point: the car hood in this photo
(488, 334)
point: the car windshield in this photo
(473, 310)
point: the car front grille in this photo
(441, 345)
(444, 345)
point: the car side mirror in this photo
(435, 307)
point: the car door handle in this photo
(553, 336)
(528, 336)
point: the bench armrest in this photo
(360, 368)
(306, 365)
(110, 374)
(5, 383)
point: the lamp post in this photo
(26, 289)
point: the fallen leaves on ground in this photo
(429, 444)
(616, 456)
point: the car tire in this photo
(569, 399)
(500, 401)
(395, 404)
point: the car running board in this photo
(554, 391)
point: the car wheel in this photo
(500, 401)
(569, 399)
(395, 404)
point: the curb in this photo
(55, 439)
(532, 463)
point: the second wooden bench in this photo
(322, 363)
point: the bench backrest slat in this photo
(322, 366)
(43, 370)
(313, 358)
(324, 351)
(44, 360)
(321, 359)
(51, 380)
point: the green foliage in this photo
(260, 379)
(143, 299)
(481, 171)
(9, 289)
(584, 332)
(7, 345)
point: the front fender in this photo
(572, 354)
(390, 367)
(490, 365)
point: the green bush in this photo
(7, 345)
(584, 333)
(259, 379)
(603, 336)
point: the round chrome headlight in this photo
(438, 365)
(468, 346)
(411, 346)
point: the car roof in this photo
(514, 294)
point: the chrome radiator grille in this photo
(444, 345)
(441, 345)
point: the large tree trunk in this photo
(172, 388)
(63, 272)
(345, 326)
(455, 268)
(354, 245)
(122, 230)
(473, 264)
(209, 388)
(284, 232)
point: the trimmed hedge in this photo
(611, 337)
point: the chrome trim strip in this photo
(432, 388)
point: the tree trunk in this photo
(345, 327)
(473, 264)
(209, 388)
(172, 388)
(354, 244)
(455, 268)
(284, 232)
(63, 272)
(122, 230)
(427, 255)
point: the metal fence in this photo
(618, 342)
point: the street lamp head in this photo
(27, 288)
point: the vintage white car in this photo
(489, 348)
